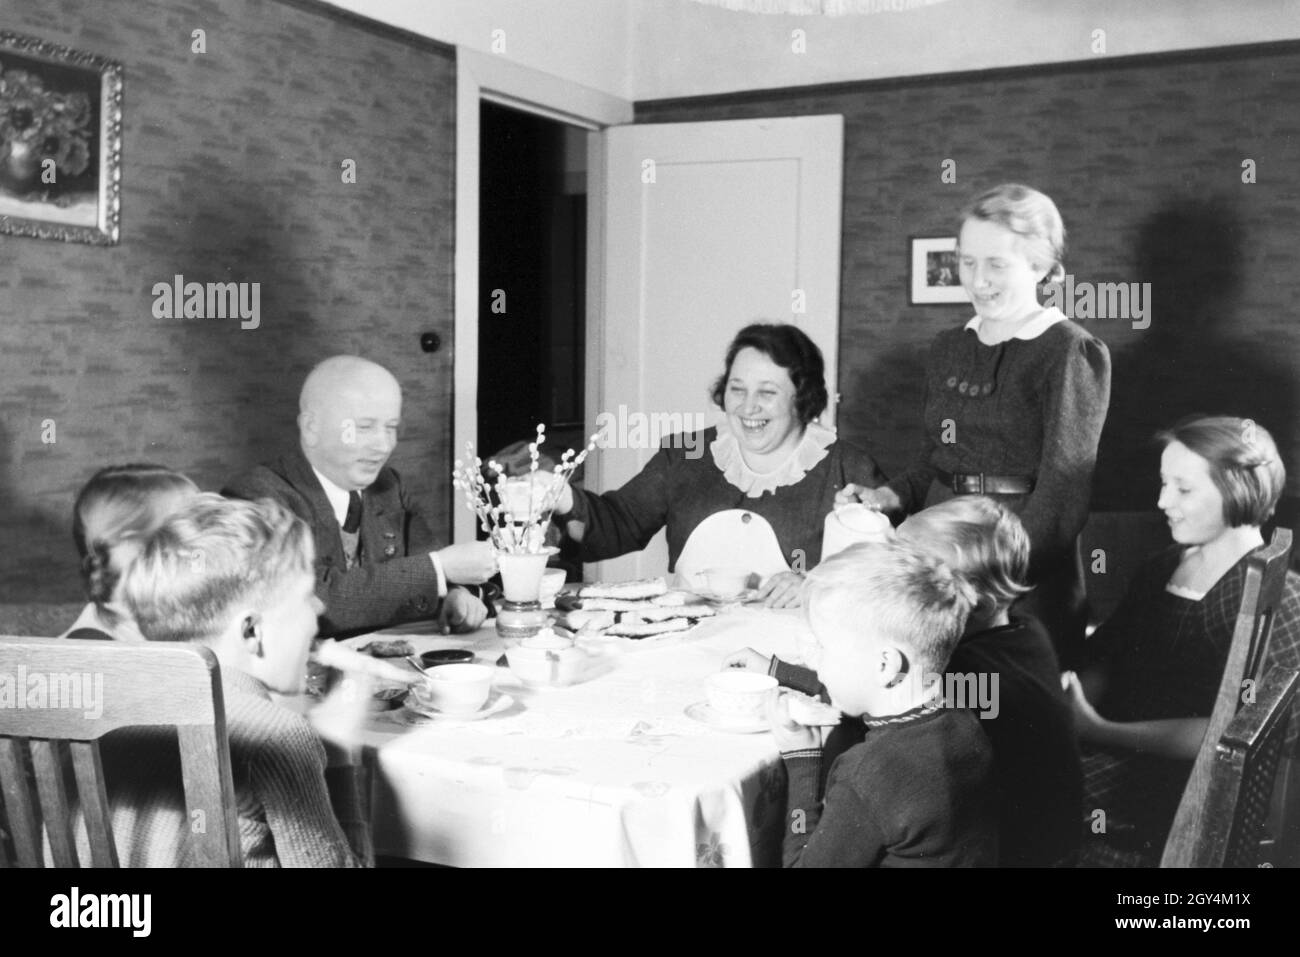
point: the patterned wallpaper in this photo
(1144, 158)
(232, 172)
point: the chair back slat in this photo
(1241, 788)
(1261, 594)
(56, 809)
(20, 810)
(1272, 587)
(209, 796)
(81, 691)
(89, 769)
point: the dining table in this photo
(609, 771)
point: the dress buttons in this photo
(952, 382)
(963, 387)
(390, 550)
(746, 517)
(988, 388)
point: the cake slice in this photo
(649, 629)
(630, 591)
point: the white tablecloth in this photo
(608, 772)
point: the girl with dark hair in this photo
(771, 459)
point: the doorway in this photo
(532, 279)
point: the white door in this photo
(705, 227)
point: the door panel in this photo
(706, 227)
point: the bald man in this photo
(377, 563)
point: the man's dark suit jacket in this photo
(393, 580)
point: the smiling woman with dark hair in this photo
(770, 459)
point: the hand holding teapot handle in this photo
(881, 499)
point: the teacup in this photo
(455, 689)
(546, 659)
(726, 582)
(740, 697)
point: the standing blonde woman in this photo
(1015, 401)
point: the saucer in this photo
(739, 598)
(702, 712)
(496, 703)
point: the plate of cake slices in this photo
(640, 609)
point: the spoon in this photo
(418, 667)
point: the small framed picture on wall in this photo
(60, 142)
(935, 278)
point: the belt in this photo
(982, 484)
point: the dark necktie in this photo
(353, 520)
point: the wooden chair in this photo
(1241, 783)
(174, 685)
(1265, 579)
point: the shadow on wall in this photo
(46, 569)
(1192, 359)
(208, 397)
(885, 422)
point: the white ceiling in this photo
(651, 49)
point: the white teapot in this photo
(853, 523)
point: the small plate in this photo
(497, 703)
(703, 713)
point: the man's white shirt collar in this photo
(338, 497)
(1035, 327)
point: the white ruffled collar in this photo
(812, 448)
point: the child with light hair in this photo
(1037, 774)
(915, 792)
(115, 511)
(1009, 660)
(237, 577)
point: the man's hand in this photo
(782, 590)
(461, 612)
(882, 499)
(469, 564)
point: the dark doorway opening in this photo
(532, 279)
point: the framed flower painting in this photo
(60, 142)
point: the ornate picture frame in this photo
(60, 142)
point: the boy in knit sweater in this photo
(237, 577)
(916, 791)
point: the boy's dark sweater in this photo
(1038, 784)
(915, 793)
(1036, 772)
